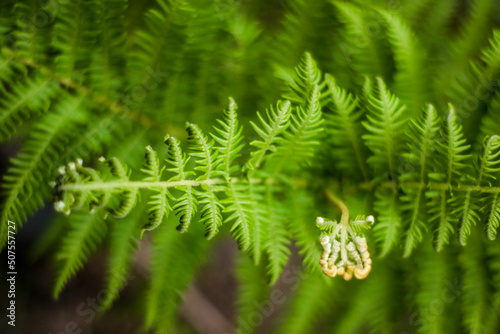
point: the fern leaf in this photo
(276, 243)
(277, 123)
(86, 233)
(252, 293)
(450, 167)
(299, 141)
(410, 60)
(202, 148)
(384, 125)
(488, 166)
(73, 38)
(229, 139)
(24, 188)
(127, 196)
(186, 205)
(434, 274)
(25, 100)
(307, 76)
(493, 210)
(259, 220)
(387, 229)
(175, 258)
(478, 24)
(422, 136)
(305, 233)
(309, 302)
(365, 51)
(211, 211)
(490, 123)
(489, 169)
(476, 299)
(123, 243)
(32, 38)
(384, 284)
(344, 129)
(9, 65)
(238, 204)
(159, 206)
(106, 58)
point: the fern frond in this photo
(305, 233)
(123, 242)
(309, 303)
(299, 141)
(229, 139)
(100, 132)
(73, 38)
(448, 169)
(85, 234)
(410, 60)
(435, 273)
(186, 205)
(487, 167)
(9, 66)
(307, 76)
(344, 129)
(276, 243)
(175, 258)
(277, 123)
(387, 229)
(159, 206)
(364, 51)
(239, 205)
(476, 296)
(490, 122)
(32, 39)
(24, 188)
(252, 293)
(478, 24)
(202, 148)
(24, 101)
(128, 196)
(385, 124)
(385, 283)
(259, 219)
(493, 210)
(106, 58)
(422, 135)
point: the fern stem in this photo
(344, 219)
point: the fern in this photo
(186, 205)
(358, 131)
(26, 100)
(277, 123)
(26, 174)
(158, 202)
(384, 124)
(410, 61)
(87, 231)
(344, 127)
(422, 136)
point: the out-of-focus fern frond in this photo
(24, 101)
(24, 188)
(85, 234)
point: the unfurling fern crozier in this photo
(344, 252)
